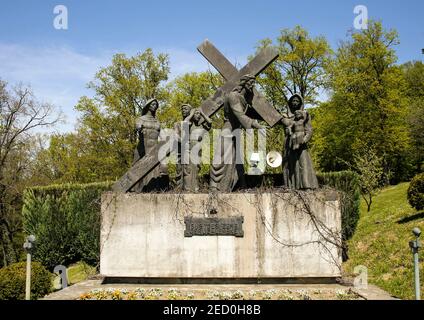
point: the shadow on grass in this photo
(418, 215)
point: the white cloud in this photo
(46, 63)
(59, 75)
(183, 61)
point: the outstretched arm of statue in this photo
(188, 119)
(256, 125)
(287, 124)
(245, 121)
(207, 124)
(286, 121)
(239, 112)
(138, 126)
(207, 119)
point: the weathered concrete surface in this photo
(286, 235)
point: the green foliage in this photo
(74, 158)
(103, 144)
(13, 277)
(190, 88)
(299, 68)
(348, 183)
(125, 85)
(66, 222)
(367, 107)
(121, 89)
(21, 116)
(369, 167)
(80, 271)
(414, 76)
(416, 192)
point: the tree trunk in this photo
(367, 201)
(7, 244)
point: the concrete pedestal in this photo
(285, 235)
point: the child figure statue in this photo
(297, 130)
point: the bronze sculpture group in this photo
(243, 106)
(298, 171)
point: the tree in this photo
(369, 167)
(69, 158)
(191, 88)
(21, 115)
(300, 67)
(414, 76)
(122, 88)
(367, 106)
(102, 146)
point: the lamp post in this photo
(415, 247)
(29, 246)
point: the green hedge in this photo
(13, 278)
(348, 183)
(416, 192)
(66, 222)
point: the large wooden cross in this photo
(211, 105)
(229, 72)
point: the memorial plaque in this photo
(231, 226)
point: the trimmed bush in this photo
(416, 192)
(13, 277)
(66, 222)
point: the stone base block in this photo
(237, 235)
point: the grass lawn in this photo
(381, 242)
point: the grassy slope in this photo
(381, 242)
(77, 272)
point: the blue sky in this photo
(59, 63)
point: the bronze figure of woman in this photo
(148, 130)
(298, 170)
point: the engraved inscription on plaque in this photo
(230, 226)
